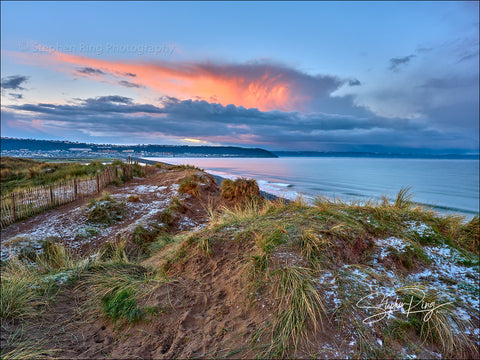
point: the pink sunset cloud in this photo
(264, 86)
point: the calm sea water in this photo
(447, 185)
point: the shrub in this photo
(190, 185)
(53, 256)
(86, 233)
(142, 236)
(133, 198)
(240, 189)
(106, 210)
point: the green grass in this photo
(143, 236)
(162, 240)
(18, 173)
(87, 232)
(19, 295)
(27, 287)
(121, 304)
(168, 215)
(300, 307)
(116, 290)
(105, 210)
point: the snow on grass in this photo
(326, 282)
(384, 244)
(186, 223)
(419, 228)
(455, 282)
(146, 189)
(73, 228)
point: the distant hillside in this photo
(12, 144)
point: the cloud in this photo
(13, 82)
(468, 56)
(354, 82)
(423, 49)
(111, 99)
(15, 96)
(450, 82)
(396, 62)
(129, 84)
(130, 74)
(90, 71)
(229, 125)
(265, 85)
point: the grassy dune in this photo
(265, 279)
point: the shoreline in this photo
(217, 178)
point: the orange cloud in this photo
(265, 88)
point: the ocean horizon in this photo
(445, 185)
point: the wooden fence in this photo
(24, 203)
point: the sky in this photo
(398, 77)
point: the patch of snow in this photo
(418, 227)
(145, 189)
(383, 244)
(186, 223)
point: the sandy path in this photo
(70, 225)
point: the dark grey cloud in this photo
(120, 116)
(14, 82)
(130, 74)
(171, 100)
(15, 96)
(354, 82)
(90, 71)
(129, 84)
(111, 99)
(395, 63)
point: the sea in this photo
(445, 185)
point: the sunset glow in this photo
(182, 80)
(319, 76)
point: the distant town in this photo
(41, 149)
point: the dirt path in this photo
(69, 223)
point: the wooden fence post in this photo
(75, 189)
(116, 172)
(14, 213)
(98, 184)
(51, 195)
